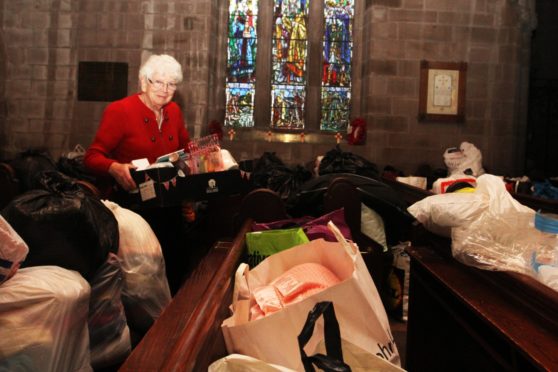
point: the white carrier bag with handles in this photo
(273, 338)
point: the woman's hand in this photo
(121, 173)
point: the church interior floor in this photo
(399, 331)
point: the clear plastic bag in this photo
(502, 242)
(109, 334)
(145, 288)
(43, 321)
(205, 155)
(504, 238)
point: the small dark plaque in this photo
(102, 81)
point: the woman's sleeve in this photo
(111, 130)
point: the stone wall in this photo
(42, 42)
(492, 37)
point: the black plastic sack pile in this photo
(270, 172)
(63, 226)
(28, 166)
(338, 161)
(374, 194)
(74, 167)
(31, 163)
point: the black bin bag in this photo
(270, 172)
(339, 161)
(29, 164)
(373, 193)
(63, 226)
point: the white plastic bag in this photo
(439, 213)
(244, 363)
(43, 321)
(372, 225)
(467, 159)
(442, 185)
(499, 237)
(228, 160)
(399, 282)
(145, 289)
(13, 250)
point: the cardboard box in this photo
(162, 187)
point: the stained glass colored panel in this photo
(241, 62)
(289, 71)
(241, 51)
(290, 8)
(244, 6)
(290, 51)
(336, 70)
(287, 111)
(335, 108)
(240, 105)
(336, 75)
(339, 7)
(338, 51)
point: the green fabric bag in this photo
(261, 244)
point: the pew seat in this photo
(465, 318)
(187, 336)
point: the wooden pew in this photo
(474, 315)
(464, 318)
(187, 336)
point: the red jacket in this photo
(129, 131)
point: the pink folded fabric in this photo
(294, 285)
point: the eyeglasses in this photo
(159, 85)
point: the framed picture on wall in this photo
(442, 91)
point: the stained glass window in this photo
(336, 70)
(287, 81)
(240, 105)
(241, 63)
(289, 52)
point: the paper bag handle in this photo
(333, 361)
(351, 249)
(241, 293)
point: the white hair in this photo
(163, 64)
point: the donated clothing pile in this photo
(491, 230)
(272, 300)
(77, 275)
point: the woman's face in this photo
(159, 90)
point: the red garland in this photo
(357, 132)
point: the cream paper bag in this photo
(273, 338)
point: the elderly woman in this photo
(144, 125)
